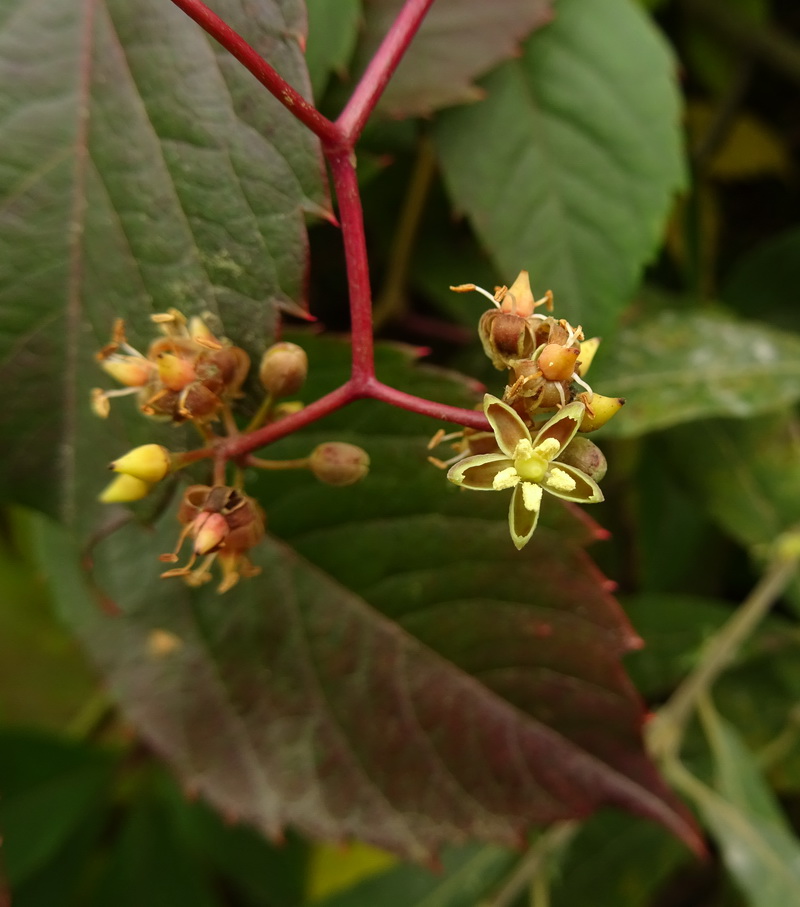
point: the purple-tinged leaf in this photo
(141, 168)
(459, 40)
(398, 673)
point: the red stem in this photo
(381, 68)
(351, 217)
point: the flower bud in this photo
(338, 463)
(519, 297)
(124, 489)
(588, 349)
(150, 463)
(585, 455)
(210, 531)
(599, 410)
(283, 369)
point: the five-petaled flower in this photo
(528, 465)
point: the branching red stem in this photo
(338, 141)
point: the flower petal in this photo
(562, 426)
(586, 490)
(508, 427)
(521, 521)
(478, 472)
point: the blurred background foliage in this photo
(89, 817)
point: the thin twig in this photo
(550, 842)
(390, 302)
(764, 42)
(665, 731)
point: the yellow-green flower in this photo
(528, 465)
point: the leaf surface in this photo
(333, 27)
(682, 366)
(466, 875)
(458, 41)
(142, 168)
(568, 166)
(747, 476)
(400, 674)
(758, 846)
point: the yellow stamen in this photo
(561, 480)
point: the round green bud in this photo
(338, 463)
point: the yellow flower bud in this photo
(124, 489)
(338, 463)
(150, 463)
(599, 410)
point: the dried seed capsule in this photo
(556, 362)
(338, 463)
(283, 369)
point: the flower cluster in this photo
(546, 360)
(191, 375)
(188, 374)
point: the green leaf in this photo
(44, 677)
(267, 875)
(746, 475)
(333, 27)
(149, 863)
(142, 168)
(674, 629)
(680, 366)
(459, 40)
(568, 167)
(761, 279)
(615, 861)
(466, 874)
(758, 846)
(760, 695)
(377, 677)
(50, 789)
